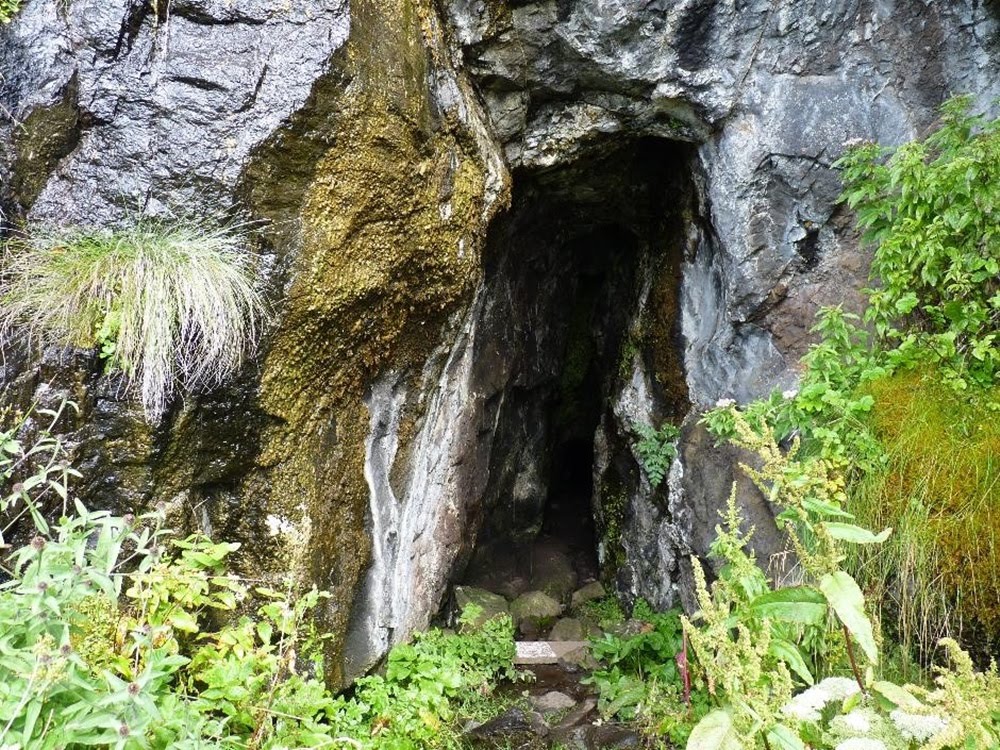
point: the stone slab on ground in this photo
(545, 652)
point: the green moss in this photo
(939, 489)
(661, 325)
(390, 223)
(45, 136)
(626, 358)
(610, 523)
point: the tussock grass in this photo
(940, 491)
(170, 304)
(8, 9)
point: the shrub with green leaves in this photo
(753, 642)
(165, 303)
(874, 391)
(931, 209)
(632, 662)
(427, 684)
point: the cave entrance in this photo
(582, 277)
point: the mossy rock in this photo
(592, 591)
(536, 609)
(491, 604)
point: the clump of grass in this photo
(8, 9)
(170, 304)
(939, 488)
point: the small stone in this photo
(552, 702)
(579, 658)
(514, 724)
(567, 629)
(513, 587)
(612, 737)
(590, 592)
(574, 738)
(536, 606)
(578, 715)
(629, 628)
(492, 604)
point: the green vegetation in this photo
(883, 467)
(656, 450)
(755, 645)
(8, 9)
(114, 634)
(895, 425)
(606, 612)
(932, 210)
(165, 303)
(939, 486)
(634, 663)
(904, 402)
(644, 677)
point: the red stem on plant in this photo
(685, 670)
(854, 663)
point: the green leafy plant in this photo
(165, 303)
(8, 9)
(426, 683)
(670, 713)
(656, 450)
(751, 637)
(115, 634)
(931, 208)
(634, 661)
(874, 393)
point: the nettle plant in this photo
(931, 209)
(165, 303)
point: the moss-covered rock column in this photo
(390, 229)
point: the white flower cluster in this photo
(806, 706)
(857, 721)
(861, 743)
(917, 727)
(789, 394)
(725, 403)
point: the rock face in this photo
(767, 94)
(351, 136)
(440, 369)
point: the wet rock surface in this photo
(769, 93)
